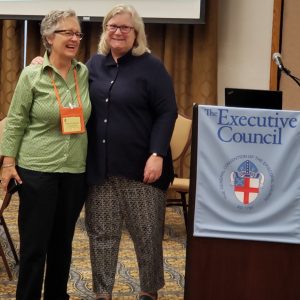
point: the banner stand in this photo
(221, 269)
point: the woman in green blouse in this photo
(44, 147)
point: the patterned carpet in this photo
(127, 284)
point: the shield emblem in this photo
(247, 182)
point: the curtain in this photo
(11, 57)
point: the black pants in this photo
(50, 204)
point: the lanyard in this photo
(72, 120)
(76, 86)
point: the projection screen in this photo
(156, 11)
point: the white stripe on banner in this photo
(248, 174)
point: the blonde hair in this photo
(50, 24)
(140, 45)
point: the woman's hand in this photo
(38, 60)
(9, 171)
(153, 169)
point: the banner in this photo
(248, 174)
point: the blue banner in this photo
(248, 174)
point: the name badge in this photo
(72, 120)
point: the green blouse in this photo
(33, 132)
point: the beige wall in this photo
(291, 53)
(244, 44)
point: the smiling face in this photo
(120, 43)
(63, 46)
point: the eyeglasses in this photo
(123, 28)
(70, 33)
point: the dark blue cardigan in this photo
(133, 115)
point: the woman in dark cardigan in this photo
(129, 165)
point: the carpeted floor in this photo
(127, 284)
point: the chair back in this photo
(181, 140)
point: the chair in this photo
(3, 205)
(180, 143)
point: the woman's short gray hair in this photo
(140, 45)
(50, 24)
